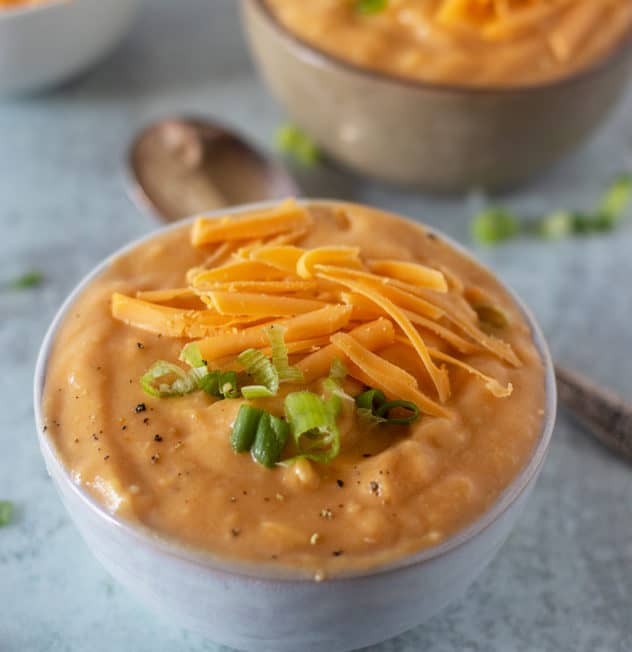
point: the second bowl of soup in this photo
(447, 94)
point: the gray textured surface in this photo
(562, 583)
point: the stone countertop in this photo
(563, 581)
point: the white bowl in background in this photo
(44, 44)
(263, 610)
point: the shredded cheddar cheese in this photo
(331, 301)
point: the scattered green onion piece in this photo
(220, 384)
(616, 198)
(368, 7)
(185, 381)
(262, 371)
(332, 385)
(491, 315)
(6, 512)
(272, 435)
(493, 225)
(280, 360)
(313, 424)
(192, 356)
(28, 280)
(370, 400)
(556, 225)
(295, 143)
(385, 408)
(338, 371)
(244, 430)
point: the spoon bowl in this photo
(186, 165)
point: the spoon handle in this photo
(605, 414)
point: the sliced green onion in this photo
(491, 315)
(369, 418)
(313, 424)
(616, 198)
(373, 408)
(256, 391)
(332, 385)
(6, 512)
(385, 408)
(368, 7)
(192, 356)
(272, 435)
(155, 381)
(371, 400)
(494, 225)
(338, 371)
(244, 430)
(280, 360)
(262, 371)
(27, 280)
(296, 143)
(220, 384)
(556, 225)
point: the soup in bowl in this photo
(325, 408)
(444, 94)
(467, 42)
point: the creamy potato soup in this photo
(464, 42)
(323, 388)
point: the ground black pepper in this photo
(141, 407)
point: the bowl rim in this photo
(324, 58)
(266, 570)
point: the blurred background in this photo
(563, 580)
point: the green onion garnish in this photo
(245, 428)
(368, 7)
(366, 405)
(491, 315)
(272, 435)
(6, 511)
(338, 371)
(313, 424)
(295, 143)
(280, 360)
(27, 280)
(493, 225)
(371, 400)
(616, 198)
(384, 410)
(192, 356)
(374, 408)
(165, 379)
(556, 225)
(220, 384)
(262, 371)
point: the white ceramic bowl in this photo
(41, 45)
(251, 609)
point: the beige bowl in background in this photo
(442, 138)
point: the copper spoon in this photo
(187, 165)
